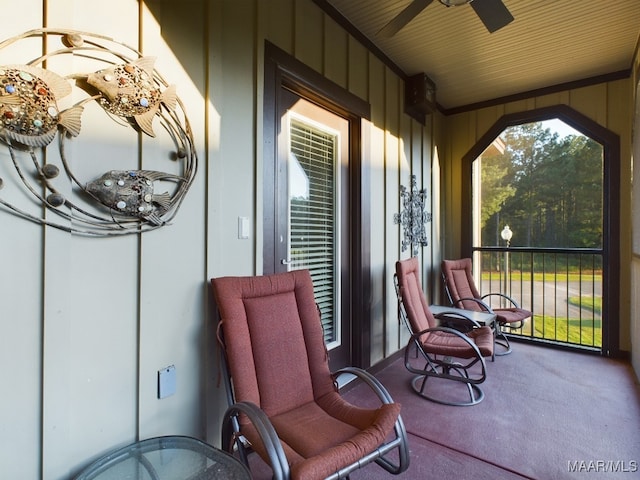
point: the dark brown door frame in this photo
(281, 70)
(610, 142)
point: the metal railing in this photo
(562, 287)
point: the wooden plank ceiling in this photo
(550, 42)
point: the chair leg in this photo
(447, 368)
(476, 395)
(503, 342)
(419, 383)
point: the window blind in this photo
(312, 215)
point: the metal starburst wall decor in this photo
(413, 218)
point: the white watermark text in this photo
(603, 466)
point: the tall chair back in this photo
(459, 284)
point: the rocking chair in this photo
(284, 403)
(463, 293)
(448, 353)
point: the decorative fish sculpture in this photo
(130, 91)
(29, 112)
(131, 192)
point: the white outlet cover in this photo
(167, 381)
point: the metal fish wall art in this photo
(117, 202)
(29, 112)
(130, 91)
(131, 192)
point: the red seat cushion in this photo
(511, 315)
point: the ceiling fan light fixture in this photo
(454, 3)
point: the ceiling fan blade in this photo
(492, 13)
(404, 17)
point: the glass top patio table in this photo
(483, 318)
(166, 458)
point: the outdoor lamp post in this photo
(506, 235)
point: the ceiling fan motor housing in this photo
(454, 3)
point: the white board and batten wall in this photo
(88, 322)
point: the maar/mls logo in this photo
(602, 466)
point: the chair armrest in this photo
(265, 430)
(370, 380)
(502, 295)
(399, 428)
(482, 304)
(416, 338)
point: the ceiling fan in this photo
(493, 14)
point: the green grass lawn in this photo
(592, 303)
(515, 275)
(587, 332)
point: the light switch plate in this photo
(243, 228)
(167, 381)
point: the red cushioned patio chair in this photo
(284, 402)
(463, 293)
(448, 353)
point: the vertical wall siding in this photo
(390, 196)
(172, 265)
(21, 249)
(635, 222)
(88, 322)
(608, 104)
(377, 163)
(635, 314)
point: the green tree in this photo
(547, 188)
(497, 187)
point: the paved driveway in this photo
(551, 298)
